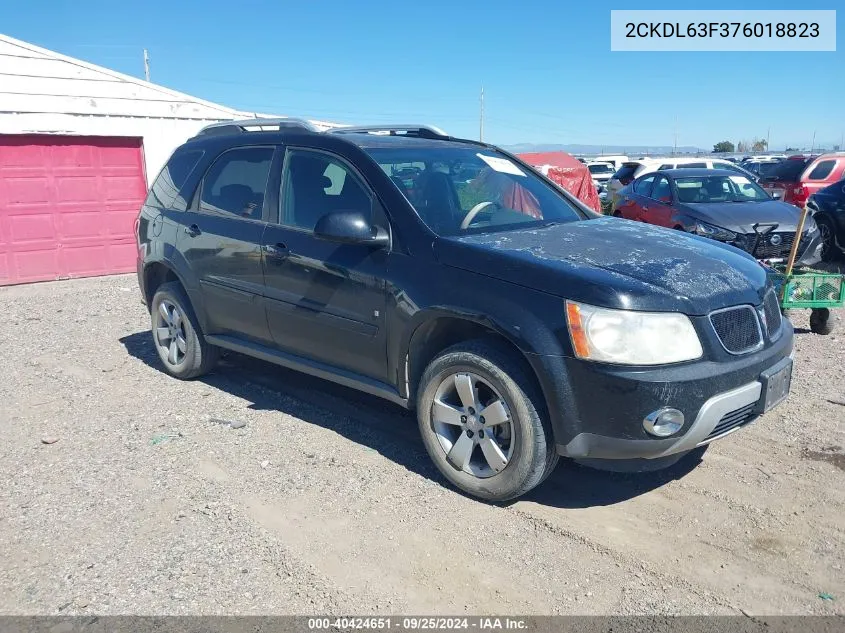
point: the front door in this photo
(221, 241)
(325, 301)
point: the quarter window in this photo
(166, 191)
(315, 184)
(235, 183)
(822, 170)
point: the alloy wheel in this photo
(169, 333)
(473, 425)
(827, 237)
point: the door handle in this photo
(645, 208)
(193, 230)
(278, 250)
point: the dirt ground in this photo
(325, 502)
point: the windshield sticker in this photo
(502, 165)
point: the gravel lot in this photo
(325, 502)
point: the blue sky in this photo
(546, 67)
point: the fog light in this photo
(664, 422)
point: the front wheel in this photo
(828, 237)
(820, 321)
(478, 414)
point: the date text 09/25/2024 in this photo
(421, 623)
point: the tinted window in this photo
(666, 166)
(626, 172)
(501, 195)
(600, 169)
(661, 189)
(236, 181)
(315, 184)
(692, 166)
(789, 170)
(167, 188)
(822, 170)
(643, 185)
(706, 189)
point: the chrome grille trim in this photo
(755, 319)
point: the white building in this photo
(79, 144)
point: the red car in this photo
(797, 178)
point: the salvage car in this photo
(723, 206)
(828, 208)
(517, 323)
(797, 178)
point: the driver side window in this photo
(315, 184)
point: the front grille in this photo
(738, 329)
(766, 249)
(771, 308)
(732, 420)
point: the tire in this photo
(193, 356)
(524, 440)
(820, 321)
(829, 251)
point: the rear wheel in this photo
(179, 342)
(478, 415)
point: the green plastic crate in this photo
(810, 289)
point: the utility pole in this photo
(768, 136)
(675, 146)
(481, 118)
(813, 146)
(146, 65)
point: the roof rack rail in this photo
(422, 131)
(237, 127)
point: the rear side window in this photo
(166, 191)
(692, 166)
(235, 183)
(822, 170)
(666, 166)
(661, 189)
(643, 185)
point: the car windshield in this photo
(600, 169)
(461, 189)
(704, 189)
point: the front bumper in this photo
(611, 423)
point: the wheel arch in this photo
(163, 270)
(435, 330)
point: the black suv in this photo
(520, 325)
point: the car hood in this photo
(741, 216)
(614, 263)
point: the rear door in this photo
(658, 209)
(325, 301)
(635, 202)
(221, 241)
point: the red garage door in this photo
(68, 206)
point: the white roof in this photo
(37, 80)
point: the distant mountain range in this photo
(629, 150)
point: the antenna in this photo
(146, 65)
(481, 118)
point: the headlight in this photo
(631, 338)
(714, 232)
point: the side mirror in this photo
(350, 227)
